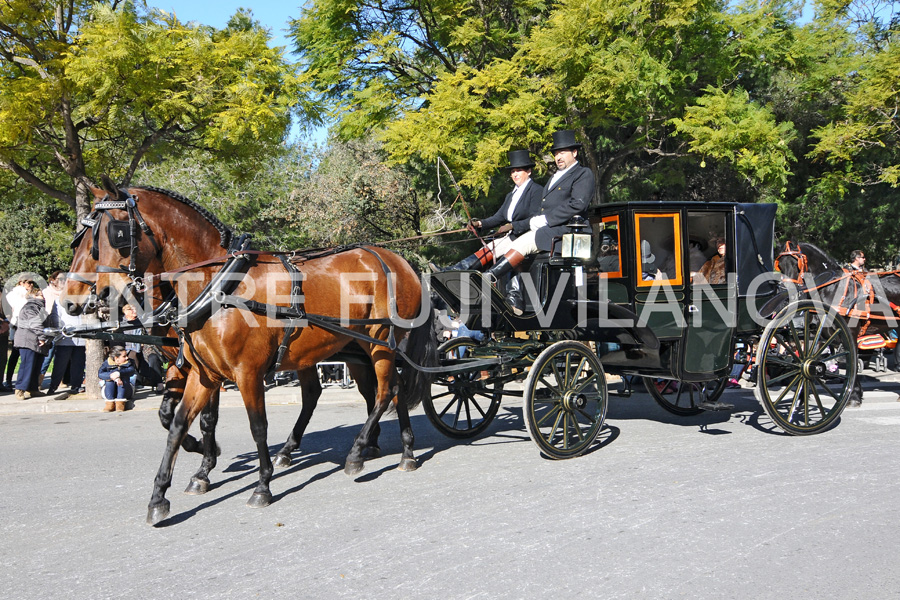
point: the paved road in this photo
(716, 506)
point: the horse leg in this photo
(175, 379)
(311, 389)
(209, 417)
(856, 394)
(253, 390)
(387, 389)
(408, 459)
(184, 415)
(366, 383)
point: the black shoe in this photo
(63, 396)
(469, 263)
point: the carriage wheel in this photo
(565, 399)
(681, 398)
(470, 402)
(807, 361)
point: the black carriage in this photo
(622, 294)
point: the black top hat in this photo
(564, 139)
(519, 159)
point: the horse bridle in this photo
(136, 225)
(801, 259)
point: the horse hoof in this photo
(353, 467)
(282, 461)
(157, 513)
(408, 464)
(371, 452)
(259, 500)
(197, 487)
(854, 403)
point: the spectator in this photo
(4, 346)
(16, 299)
(69, 358)
(31, 342)
(115, 375)
(51, 294)
(149, 365)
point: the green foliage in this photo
(304, 198)
(34, 235)
(96, 88)
(385, 57)
(729, 127)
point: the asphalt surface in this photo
(720, 505)
(878, 387)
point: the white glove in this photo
(535, 223)
(114, 375)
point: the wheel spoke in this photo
(559, 415)
(455, 400)
(793, 372)
(550, 388)
(821, 407)
(554, 410)
(458, 411)
(787, 389)
(584, 384)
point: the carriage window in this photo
(609, 258)
(706, 246)
(658, 249)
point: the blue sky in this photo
(272, 14)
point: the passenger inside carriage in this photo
(713, 271)
(608, 251)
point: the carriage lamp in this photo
(577, 243)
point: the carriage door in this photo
(659, 273)
(712, 309)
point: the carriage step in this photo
(715, 406)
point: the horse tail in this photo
(421, 348)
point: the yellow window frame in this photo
(679, 269)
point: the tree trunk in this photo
(94, 357)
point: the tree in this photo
(97, 88)
(623, 74)
(93, 88)
(373, 62)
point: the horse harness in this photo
(857, 290)
(125, 234)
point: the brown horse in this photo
(235, 323)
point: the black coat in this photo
(528, 206)
(570, 195)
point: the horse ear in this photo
(108, 186)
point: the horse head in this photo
(112, 252)
(798, 261)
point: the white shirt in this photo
(559, 174)
(517, 195)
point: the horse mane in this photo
(225, 234)
(814, 254)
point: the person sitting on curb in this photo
(116, 372)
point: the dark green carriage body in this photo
(673, 329)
